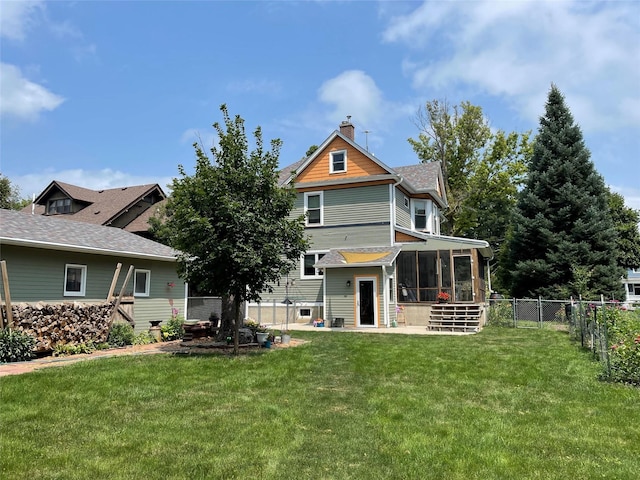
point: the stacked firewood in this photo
(63, 323)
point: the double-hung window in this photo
(308, 261)
(422, 215)
(313, 207)
(141, 283)
(338, 161)
(75, 280)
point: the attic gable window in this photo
(61, 205)
(313, 208)
(338, 161)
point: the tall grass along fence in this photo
(610, 332)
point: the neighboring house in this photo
(52, 259)
(632, 286)
(376, 255)
(128, 208)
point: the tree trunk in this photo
(236, 330)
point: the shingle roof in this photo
(104, 204)
(286, 172)
(422, 176)
(53, 232)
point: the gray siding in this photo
(340, 302)
(403, 214)
(37, 275)
(349, 236)
(356, 205)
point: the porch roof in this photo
(442, 242)
(359, 257)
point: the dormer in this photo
(63, 199)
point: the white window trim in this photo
(83, 280)
(429, 223)
(331, 154)
(317, 275)
(406, 202)
(306, 208)
(147, 286)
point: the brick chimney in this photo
(347, 129)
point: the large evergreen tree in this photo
(231, 220)
(563, 240)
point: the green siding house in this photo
(51, 259)
(377, 258)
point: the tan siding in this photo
(358, 165)
(403, 237)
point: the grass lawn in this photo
(503, 404)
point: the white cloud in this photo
(18, 17)
(353, 93)
(22, 98)
(515, 50)
(93, 179)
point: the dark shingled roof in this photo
(103, 206)
(422, 176)
(54, 232)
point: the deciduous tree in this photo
(482, 170)
(626, 220)
(231, 220)
(10, 195)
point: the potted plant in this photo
(443, 297)
(285, 337)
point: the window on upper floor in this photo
(313, 208)
(141, 283)
(308, 261)
(338, 161)
(75, 280)
(425, 216)
(61, 205)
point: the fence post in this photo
(539, 311)
(515, 309)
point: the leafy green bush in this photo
(15, 346)
(500, 314)
(173, 329)
(144, 338)
(78, 348)
(121, 334)
(623, 332)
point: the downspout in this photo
(392, 188)
(392, 227)
(186, 300)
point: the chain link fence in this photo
(588, 322)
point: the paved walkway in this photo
(178, 346)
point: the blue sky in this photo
(108, 94)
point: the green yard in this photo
(506, 403)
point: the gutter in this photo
(85, 249)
